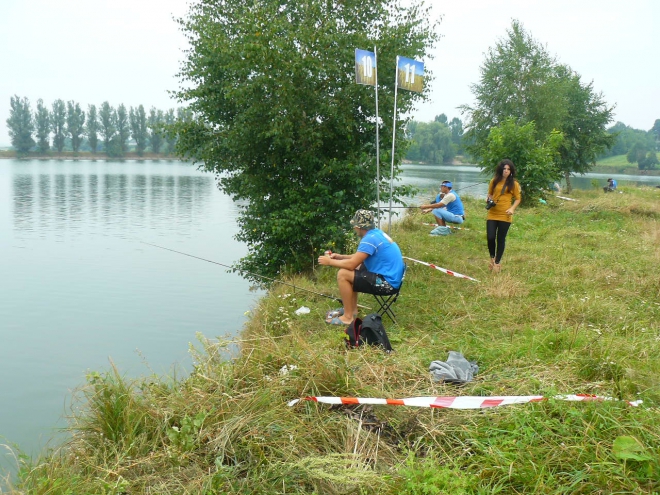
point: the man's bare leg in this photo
(440, 221)
(348, 297)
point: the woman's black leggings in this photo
(496, 230)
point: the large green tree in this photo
(279, 119)
(20, 124)
(75, 124)
(535, 160)
(92, 128)
(518, 80)
(108, 129)
(138, 121)
(625, 138)
(155, 125)
(170, 137)
(655, 131)
(123, 128)
(42, 123)
(584, 125)
(521, 80)
(430, 142)
(58, 124)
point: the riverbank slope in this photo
(574, 310)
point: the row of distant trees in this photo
(639, 146)
(435, 142)
(65, 126)
(441, 140)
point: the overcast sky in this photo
(128, 51)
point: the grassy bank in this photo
(574, 310)
(619, 165)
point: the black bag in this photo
(368, 331)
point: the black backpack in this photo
(368, 331)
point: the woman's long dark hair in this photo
(499, 175)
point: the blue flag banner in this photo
(365, 67)
(410, 74)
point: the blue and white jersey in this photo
(384, 258)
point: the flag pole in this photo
(377, 142)
(396, 86)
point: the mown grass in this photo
(615, 161)
(574, 310)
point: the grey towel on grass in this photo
(456, 369)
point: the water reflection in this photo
(62, 202)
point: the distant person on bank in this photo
(448, 207)
(611, 186)
(504, 196)
(375, 268)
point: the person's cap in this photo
(363, 219)
(446, 183)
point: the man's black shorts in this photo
(371, 283)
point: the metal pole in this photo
(377, 143)
(396, 85)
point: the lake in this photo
(79, 289)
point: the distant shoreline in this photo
(598, 169)
(87, 155)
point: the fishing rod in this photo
(245, 271)
(461, 189)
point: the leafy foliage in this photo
(92, 128)
(123, 128)
(534, 160)
(521, 80)
(280, 120)
(431, 142)
(155, 125)
(20, 124)
(645, 158)
(108, 118)
(138, 121)
(626, 137)
(75, 121)
(587, 116)
(58, 124)
(42, 121)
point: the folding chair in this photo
(385, 301)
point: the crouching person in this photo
(448, 207)
(376, 267)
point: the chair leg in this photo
(385, 305)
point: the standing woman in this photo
(503, 199)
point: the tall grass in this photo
(574, 310)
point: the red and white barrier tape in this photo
(465, 402)
(448, 272)
(564, 197)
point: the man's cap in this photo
(363, 219)
(446, 183)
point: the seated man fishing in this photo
(448, 207)
(375, 268)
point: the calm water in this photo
(428, 178)
(78, 288)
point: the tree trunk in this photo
(567, 176)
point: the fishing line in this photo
(461, 189)
(245, 271)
